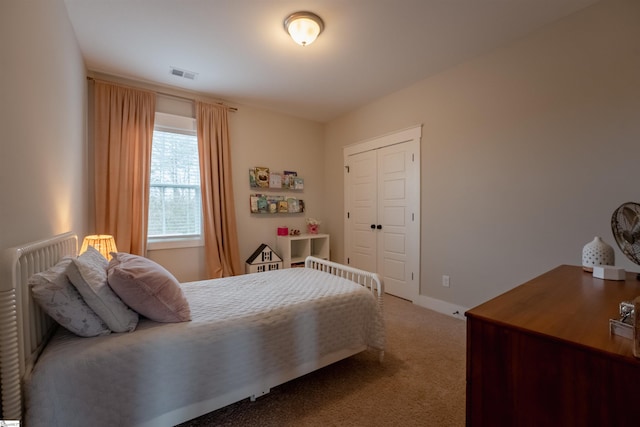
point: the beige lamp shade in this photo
(103, 243)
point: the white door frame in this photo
(413, 133)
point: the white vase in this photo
(597, 252)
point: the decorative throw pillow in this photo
(88, 273)
(148, 288)
(59, 299)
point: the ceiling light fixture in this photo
(303, 27)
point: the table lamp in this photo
(103, 243)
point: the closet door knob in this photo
(373, 226)
(379, 227)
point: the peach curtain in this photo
(218, 209)
(123, 131)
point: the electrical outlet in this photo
(445, 281)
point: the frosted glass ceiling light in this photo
(303, 27)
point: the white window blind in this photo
(174, 198)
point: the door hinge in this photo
(348, 215)
(413, 158)
(347, 168)
(413, 217)
(411, 275)
(348, 261)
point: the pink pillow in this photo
(148, 288)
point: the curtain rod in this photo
(232, 109)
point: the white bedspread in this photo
(244, 329)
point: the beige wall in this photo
(258, 138)
(43, 168)
(526, 152)
(262, 138)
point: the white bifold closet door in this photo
(382, 224)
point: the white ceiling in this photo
(239, 48)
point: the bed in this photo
(247, 335)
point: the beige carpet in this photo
(420, 383)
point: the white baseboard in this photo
(440, 306)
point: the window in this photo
(175, 212)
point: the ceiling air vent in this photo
(183, 73)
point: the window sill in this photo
(160, 243)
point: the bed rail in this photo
(24, 327)
(369, 280)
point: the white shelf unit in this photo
(294, 249)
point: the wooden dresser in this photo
(541, 354)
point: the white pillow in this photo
(88, 273)
(53, 292)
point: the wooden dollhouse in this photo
(263, 259)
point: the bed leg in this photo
(253, 397)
